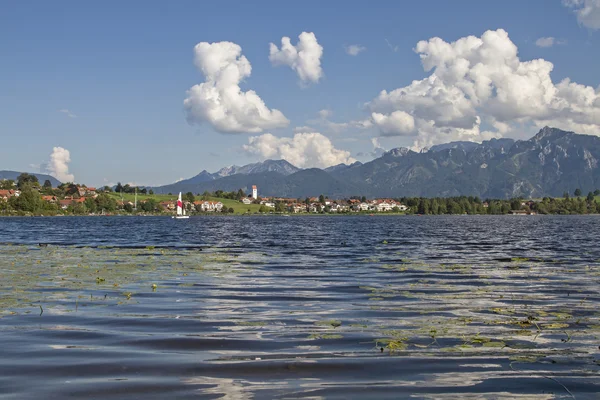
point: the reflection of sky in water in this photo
(287, 307)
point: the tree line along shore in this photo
(27, 196)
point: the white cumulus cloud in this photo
(58, 166)
(304, 58)
(545, 42)
(398, 123)
(354, 49)
(478, 88)
(220, 101)
(304, 150)
(587, 11)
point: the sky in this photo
(148, 92)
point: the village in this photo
(83, 199)
(27, 197)
(291, 205)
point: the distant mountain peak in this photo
(280, 166)
(462, 145)
(548, 133)
(342, 166)
(398, 152)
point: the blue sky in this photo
(119, 71)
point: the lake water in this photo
(300, 307)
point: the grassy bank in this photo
(238, 207)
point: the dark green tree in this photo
(47, 185)
(149, 205)
(515, 204)
(577, 192)
(119, 188)
(189, 196)
(90, 205)
(28, 201)
(27, 179)
(151, 192)
(590, 197)
(71, 189)
(106, 203)
(322, 199)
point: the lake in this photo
(353, 307)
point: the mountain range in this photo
(13, 175)
(550, 163)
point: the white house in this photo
(384, 206)
(298, 208)
(211, 206)
(246, 200)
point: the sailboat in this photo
(180, 209)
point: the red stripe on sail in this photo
(179, 204)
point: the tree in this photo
(90, 205)
(7, 184)
(597, 192)
(577, 192)
(322, 199)
(28, 201)
(231, 210)
(149, 205)
(107, 189)
(363, 199)
(263, 209)
(119, 188)
(128, 207)
(515, 204)
(47, 185)
(279, 207)
(189, 196)
(27, 179)
(105, 202)
(566, 195)
(590, 197)
(71, 189)
(151, 192)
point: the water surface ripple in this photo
(301, 307)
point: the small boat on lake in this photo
(180, 209)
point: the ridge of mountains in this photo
(13, 175)
(550, 163)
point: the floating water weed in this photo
(324, 336)
(332, 322)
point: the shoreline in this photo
(317, 215)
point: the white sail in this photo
(179, 205)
